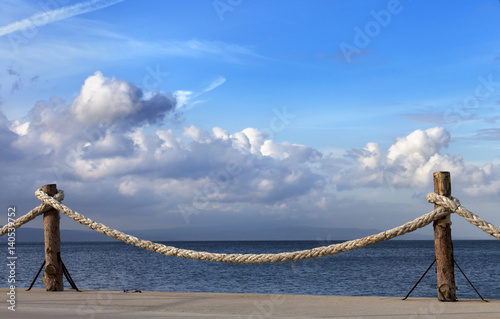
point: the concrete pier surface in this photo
(91, 304)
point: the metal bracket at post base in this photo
(65, 272)
(425, 273)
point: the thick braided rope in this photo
(32, 214)
(454, 205)
(245, 258)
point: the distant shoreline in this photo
(110, 241)
(27, 234)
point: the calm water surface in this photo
(386, 269)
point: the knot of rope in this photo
(32, 214)
(454, 205)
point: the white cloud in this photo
(101, 136)
(491, 189)
(97, 134)
(20, 128)
(105, 99)
(92, 141)
(256, 140)
(220, 133)
(410, 162)
(182, 97)
(167, 140)
(416, 149)
(372, 156)
(216, 83)
(197, 134)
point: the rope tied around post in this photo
(453, 204)
(32, 214)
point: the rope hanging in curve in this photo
(245, 258)
(447, 206)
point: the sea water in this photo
(386, 269)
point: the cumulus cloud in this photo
(101, 136)
(368, 157)
(105, 110)
(107, 100)
(205, 171)
(410, 162)
(415, 149)
(104, 99)
(109, 137)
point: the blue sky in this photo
(230, 113)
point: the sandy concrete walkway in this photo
(38, 303)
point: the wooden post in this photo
(443, 245)
(53, 275)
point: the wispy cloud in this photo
(223, 51)
(219, 81)
(185, 99)
(488, 134)
(48, 17)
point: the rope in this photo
(446, 205)
(32, 214)
(334, 249)
(454, 205)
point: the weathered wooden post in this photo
(443, 245)
(53, 275)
